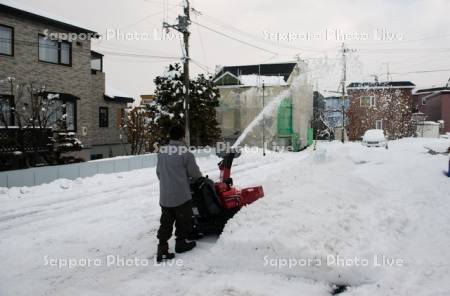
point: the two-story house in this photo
(380, 105)
(68, 68)
(333, 110)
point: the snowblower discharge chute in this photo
(215, 203)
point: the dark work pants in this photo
(181, 216)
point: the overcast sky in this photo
(415, 36)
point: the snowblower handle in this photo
(225, 166)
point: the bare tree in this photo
(139, 124)
(40, 130)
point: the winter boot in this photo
(182, 246)
(163, 253)
(195, 236)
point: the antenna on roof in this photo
(388, 72)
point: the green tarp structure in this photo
(285, 125)
(284, 119)
(295, 142)
(310, 136)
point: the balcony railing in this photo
(21, 148)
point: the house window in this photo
(367, 101)
(70, 115)
(96, 62)
(103, 116)
(424, 100)
(65, 52)
(6, 113)
(62, 112)
(6, 40)
(56, 52)
(379, 124)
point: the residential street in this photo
(341, 201)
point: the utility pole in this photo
(345, 50)
(184, 21)
(388, 73)
(264, 120)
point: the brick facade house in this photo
(380, 105)
(68, 68)
(434, 103)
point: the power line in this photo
(201, 42)
(141, 20)
(423, 71)
(404, 41)
(202, 66)
(130, 50)
(164, 4)
(404, 49)
(234, 38)
(124, 54)
(139, 60)
(272, 43)
(419, 61)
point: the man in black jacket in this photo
(176, 168)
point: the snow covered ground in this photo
(381, 215)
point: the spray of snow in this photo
(266, 112)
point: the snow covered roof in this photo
(431, 90)
(114, 95)
(279, 69)
(256, 80)
(434, 94)
(15, 7)
(428, 123)
(387, 84)
(96, 54)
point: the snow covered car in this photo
(374, 138)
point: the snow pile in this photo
(258, 80)
(363, 204)
(350, 202)
(440, 146)
(374, 135)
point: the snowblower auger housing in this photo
(215, 203)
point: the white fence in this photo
(41, 175)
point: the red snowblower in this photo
(215, 203)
